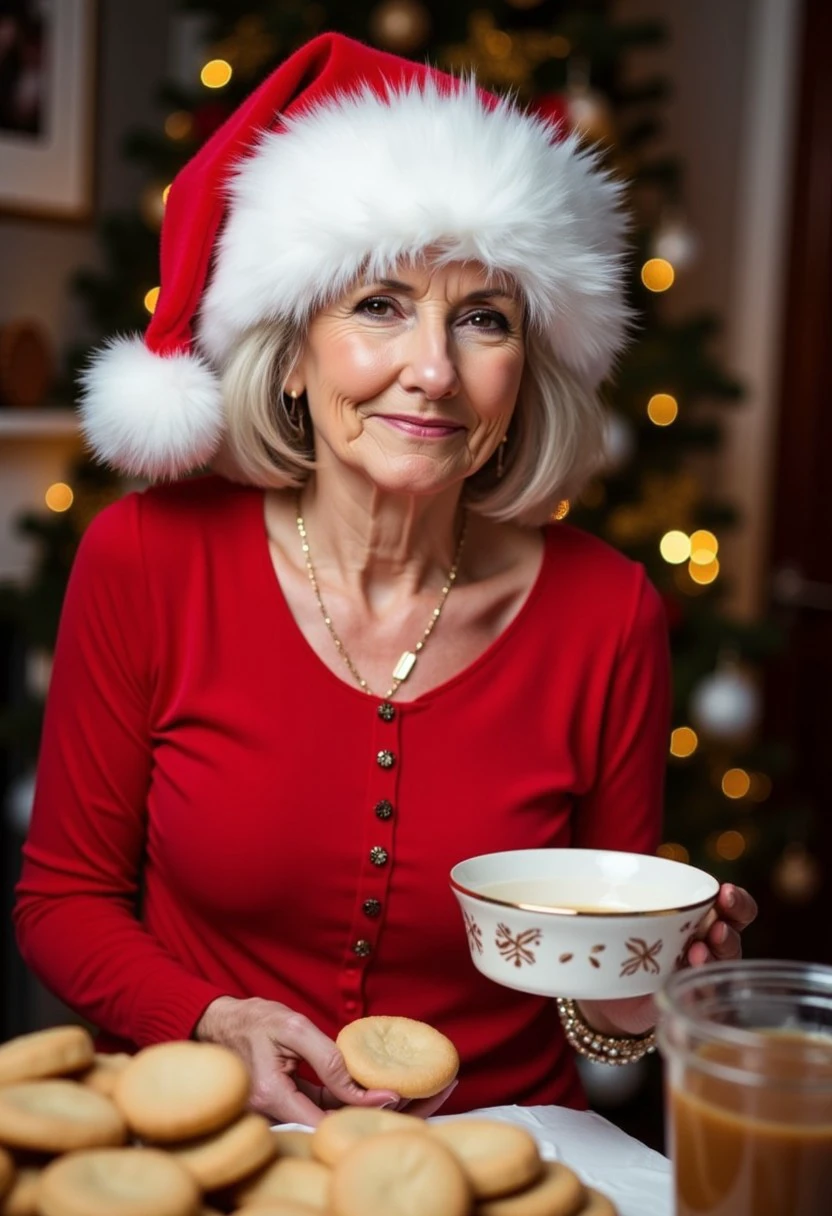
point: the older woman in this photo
(289, 696)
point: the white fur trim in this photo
(150, 415)
(363, 181)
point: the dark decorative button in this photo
(362, 948)
(384, 809)
(386, 711)
(372, 907)
(385, 759)
(378, 855)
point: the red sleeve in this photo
(76, 912)
(624, 809)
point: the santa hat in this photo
(344, 160)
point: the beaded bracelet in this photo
(603, 1048)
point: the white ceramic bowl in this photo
(583, 923)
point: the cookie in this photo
(118, 1182)
(102, 1075)
(287, 1178)
(399, 1174)
(401, 1054)
(56, 1052)
(498, 1158)
(559, 1192)
(293, 1143)
(180, 1090)
(338, 1132)
(7, 1171)
(228, 1155)
(56, 1116)
(277, 1207)
(597, 1204)
(22, 1198)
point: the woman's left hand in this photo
(733, 911)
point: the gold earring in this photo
(500, 456)
(294, 413)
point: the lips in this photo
(421, 428)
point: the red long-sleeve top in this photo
(211, 816)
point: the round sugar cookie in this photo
(181, 1090)
(102, 1074)
(56, 1052)
(228, 1155)
(558, 1192)
(597, 1204)
(498, 1158)
(293, 1143)
(22, 1198)
(57, 1116)
(339, 1131)
(287, 1178)
(401, 1054)
(118, 1182)
(399, 1174)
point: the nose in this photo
(428, 360)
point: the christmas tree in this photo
(652, 497)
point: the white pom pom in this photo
(150, 415)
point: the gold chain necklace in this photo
(407, 662)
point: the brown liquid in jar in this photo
(751, 1150)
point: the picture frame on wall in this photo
(47, 99)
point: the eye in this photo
(380, 307)
(487, 319)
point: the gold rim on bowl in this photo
(550, 910)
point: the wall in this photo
(38, 256)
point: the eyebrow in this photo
(485, 294)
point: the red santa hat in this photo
(343, 161)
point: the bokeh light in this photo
(704, 547)
(703, 573)
(151, 299)
(59, 496)
(179, 125)
(216, 74)
(675, 547)
(673, 851)
(657, 274)
(735, 783)
(662, 409)
(683, 741)
(729, 845)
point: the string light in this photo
(657, 274)
(673, 851)
(561, 510)
(683, 742)
(179, 125)
(703, 573)
(704, 547)
(729, 845)
(735, 783)
(151, 299)
(59, 497)
(662, 409)
(761, 787)
(216, 74)
(675, 547)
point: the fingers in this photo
(423, 1108)
(312, 1045)
(736, 906)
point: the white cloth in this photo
(636, 1178)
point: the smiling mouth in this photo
(422, 428)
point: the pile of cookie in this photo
(166, 1132)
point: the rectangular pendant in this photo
(404, 666)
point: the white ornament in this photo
(619, 442)
(607, 1086)
(676, 243)
(726, 704)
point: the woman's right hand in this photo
(272, 1040)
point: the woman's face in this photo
(413, 380)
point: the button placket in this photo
(377, 847)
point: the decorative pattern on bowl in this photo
(612, 925)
